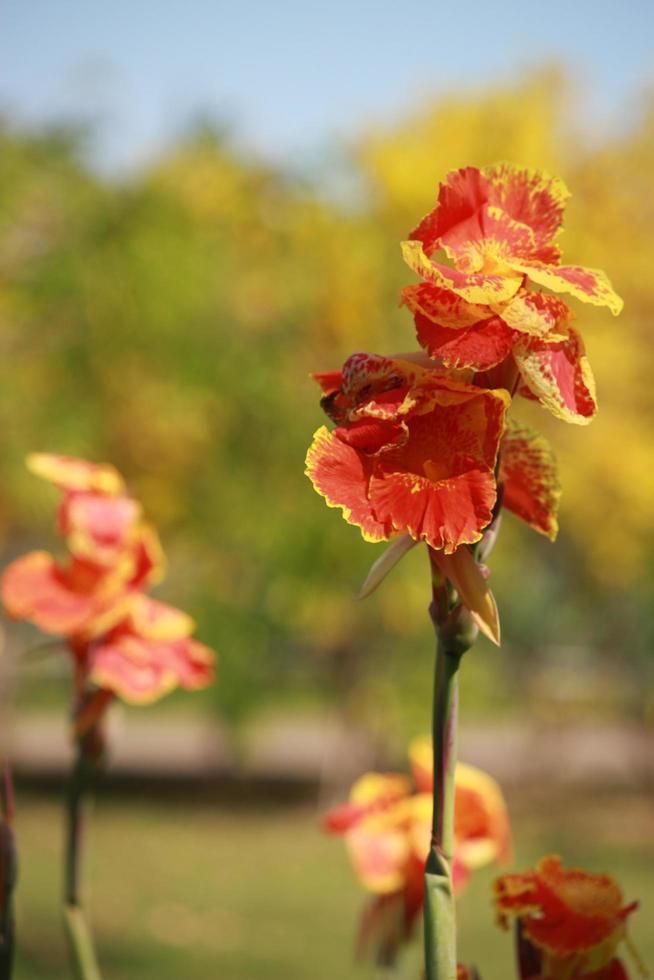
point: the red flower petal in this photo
(442, 306)
(565, 912)
(529, 473)
(371, 435)
(63, 602)
(538, 314)
(440, 486)
(529, 196)
(142, 671)
(526, 199)
(329, 381)
(559, 375)
(460, 195)
(445, 513)
(342, 476)
(490, 239)
(481, 346)
(97, 527)
(588, 285)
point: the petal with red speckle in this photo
(559, 375)
(528, 470)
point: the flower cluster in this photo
(386, 824)
(571, 923)
(123, 641)
(422, 446)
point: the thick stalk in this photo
(82, 778)
(455, 633)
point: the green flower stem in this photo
(455, 633)
(82, 778)
(8, 875)
(80, 943)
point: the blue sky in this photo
(290, 76)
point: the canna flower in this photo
(113, 554)
(498, 227)
(386, 825)
(414, 457)
(571, 923)
(122, 641)
(413, 451)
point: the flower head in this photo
(571, 922)
(497, 228)
(413, 451)
(123, 641)
(386, 824)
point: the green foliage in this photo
(169, 323)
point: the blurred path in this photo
(311, 750)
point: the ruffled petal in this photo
(560, 376)
(565, 911)
(490, 241)
(342, 476)
(529, 473)
(531, 197)
(480, 347)
(460, 196)
(442, 306)
(588, 285)
(537, 314)
(445, 513)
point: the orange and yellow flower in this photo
(497, 229)
(414, 451)
(386, 824)
(497, 226)
(572, 923)
(414, 455)
(123, 641)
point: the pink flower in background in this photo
(123, 641)
(386, 824)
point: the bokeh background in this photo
(199, 205)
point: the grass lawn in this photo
(181, 891)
